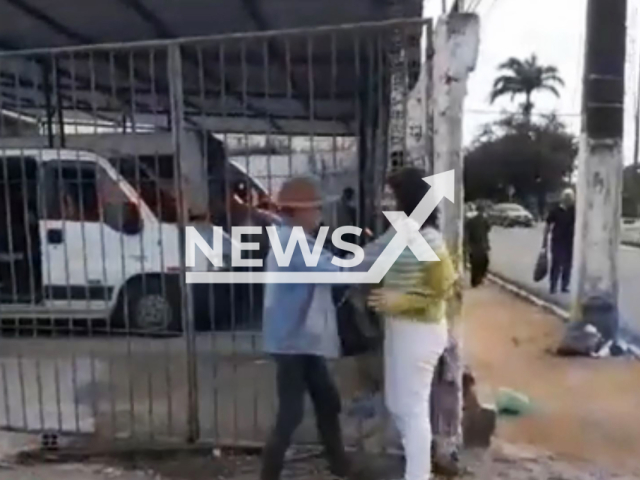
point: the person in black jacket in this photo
(560, 227)
(478, 246)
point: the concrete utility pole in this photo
(595, 298)
(456, 52)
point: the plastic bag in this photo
(542, 266)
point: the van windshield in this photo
(155, 191)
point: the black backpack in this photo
(359, 327)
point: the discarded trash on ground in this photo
(512, 403)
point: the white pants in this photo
(411, 353)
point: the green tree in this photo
(516, 156)
(525, 77)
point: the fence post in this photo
(176, 92)
(456, 51)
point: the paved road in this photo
(513, 257)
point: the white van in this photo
(78, 239)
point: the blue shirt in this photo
(299, 318)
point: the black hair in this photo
(409, 189)
(348, 193)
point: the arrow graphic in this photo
(407, 235)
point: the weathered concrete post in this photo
(456, 50)
(595, 298)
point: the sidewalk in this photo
(585, 424)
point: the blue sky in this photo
(555, 31)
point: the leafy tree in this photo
(513, 159)
(525, 77)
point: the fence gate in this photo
(107, 152)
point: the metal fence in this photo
(106, 154)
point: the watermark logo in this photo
(319, 266)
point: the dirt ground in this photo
(585, 424)
(586, 409)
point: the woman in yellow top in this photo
(413, 302)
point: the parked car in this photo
(510, 215)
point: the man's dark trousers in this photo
(561, 260)
(296, 375)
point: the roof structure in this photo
(251, 66)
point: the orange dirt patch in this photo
(586, 409)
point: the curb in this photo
(529, 297)
(629, 337)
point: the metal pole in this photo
(46, 83)
(596, 242)
(176, 93)
(61, 132)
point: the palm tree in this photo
(524, 78)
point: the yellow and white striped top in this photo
(423, 287)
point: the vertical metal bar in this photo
(26, 201)
(210, 288)
(248, 312)
(163, 280)
(362, 153)
(382, 131)
(225, 174)
(267, 94)
(124, 297)
(125, 301)
(39, 393)
(370, 131)
(310, 80)
(106, 297)
(177, 127)
(56, 83)
(60, 183)
(405, 91)
(7, 206)
(429, 96)
(227, 200)
(289, 76)
(44, 209)
(46, 83)
(5, 393)
(23, 193)
(56, 380)
(332, 98)
(82, 219)
(9, 219)
(81, 181)
(136, 161)
(23, 395)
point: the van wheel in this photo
(151, 312)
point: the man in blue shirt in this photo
(300, 332)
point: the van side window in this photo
(152, 178)
(83, 192)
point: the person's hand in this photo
(383, 298)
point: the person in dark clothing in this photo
(560, 226)
(300, 332)
(477, 244)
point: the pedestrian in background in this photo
(300, 332)
(560, 227)
(477, 245)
